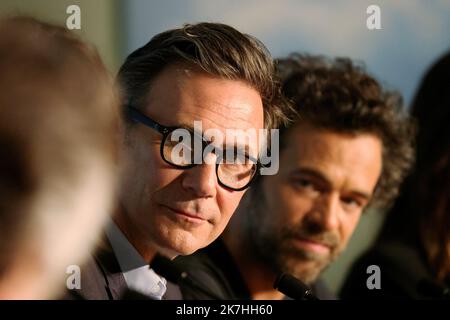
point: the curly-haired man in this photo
(348, 149)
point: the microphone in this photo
(293, 288)
(172, 272)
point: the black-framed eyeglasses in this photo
(235, 175)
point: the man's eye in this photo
(303, 183)
(353, 203)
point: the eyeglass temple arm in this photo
(135, 115)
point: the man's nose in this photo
(326, 212)
(201, 180)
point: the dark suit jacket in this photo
(102, 279)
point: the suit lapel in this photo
(114, 280)
(101, 277)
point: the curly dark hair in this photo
(339, 95)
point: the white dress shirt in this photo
(136, 271)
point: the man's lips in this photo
(312, 245)
(193, 217)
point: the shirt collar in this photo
(136, 271)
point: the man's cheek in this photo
(165, 180)
(228, 203)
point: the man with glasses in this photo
(177, 196)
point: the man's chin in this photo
(307, 270)
(307, 275)
(179, 242)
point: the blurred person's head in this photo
(204, 72)
(58, 128)
(348, 149)
(421, 215)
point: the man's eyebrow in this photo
(314, 173)
(188, 127)
(318, 175)
(362, 194)
(239, 149)
(184, 125)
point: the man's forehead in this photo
(195, 95)
(309, 141)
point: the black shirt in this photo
(214, 268)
